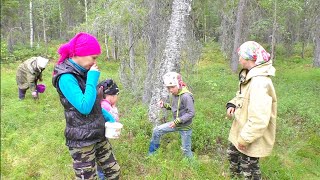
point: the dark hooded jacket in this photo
(81, 130)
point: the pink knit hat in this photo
(83, 44)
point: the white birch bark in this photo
(44, 26)
(60, 18)
(86, 13)
(106, 40)
(31, 25)
(316, 61)
(274, 28)
(171, 56)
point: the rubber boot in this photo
(153, 147)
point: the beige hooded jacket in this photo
(254, 123)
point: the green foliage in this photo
(22, 53)
(33, 144)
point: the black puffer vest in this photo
(81, 130)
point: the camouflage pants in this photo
(85, 158)
(241, 163)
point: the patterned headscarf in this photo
(251, 50)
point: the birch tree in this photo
(60, 19)
(86, 13)
(171, 57)
(31, 25)
(316, 61)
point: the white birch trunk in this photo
(171, 56)
(31, 25)
(316, 61)
(106, 40)
(60, 17)
(274, 28)
(86, 13)
(44, 26)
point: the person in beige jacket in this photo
(28, 74)
(254, 111)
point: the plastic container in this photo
(41, 88)
(113, 130)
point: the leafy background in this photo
(33, 144)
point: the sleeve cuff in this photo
(167, 106)
(93, 77)
(230, 105)
(242, 141)
(177, 121)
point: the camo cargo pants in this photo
(241, 163)
(85, 158)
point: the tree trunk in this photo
(44, 26)
(132, 57)
(171, 56)
(237, 34)
(304, 28)
(115, 46)
(86, 13)
(60, 22)
(106, 41)
(31, 25)
(316, 61)
(227, 30)
(153, 33)
(274, 28)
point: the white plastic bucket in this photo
(113, 130)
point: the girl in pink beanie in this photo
(75, 77)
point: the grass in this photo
(33, 144)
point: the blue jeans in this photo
(185, 137)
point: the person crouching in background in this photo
(28, 74)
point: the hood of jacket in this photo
(265, 69)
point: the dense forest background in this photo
(151, 37)
(136, 30)
(142, 39)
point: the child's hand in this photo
(34, 95)
(241, 147)
(100, 93)
(160, 103)
(172, 125)
(230, 112)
